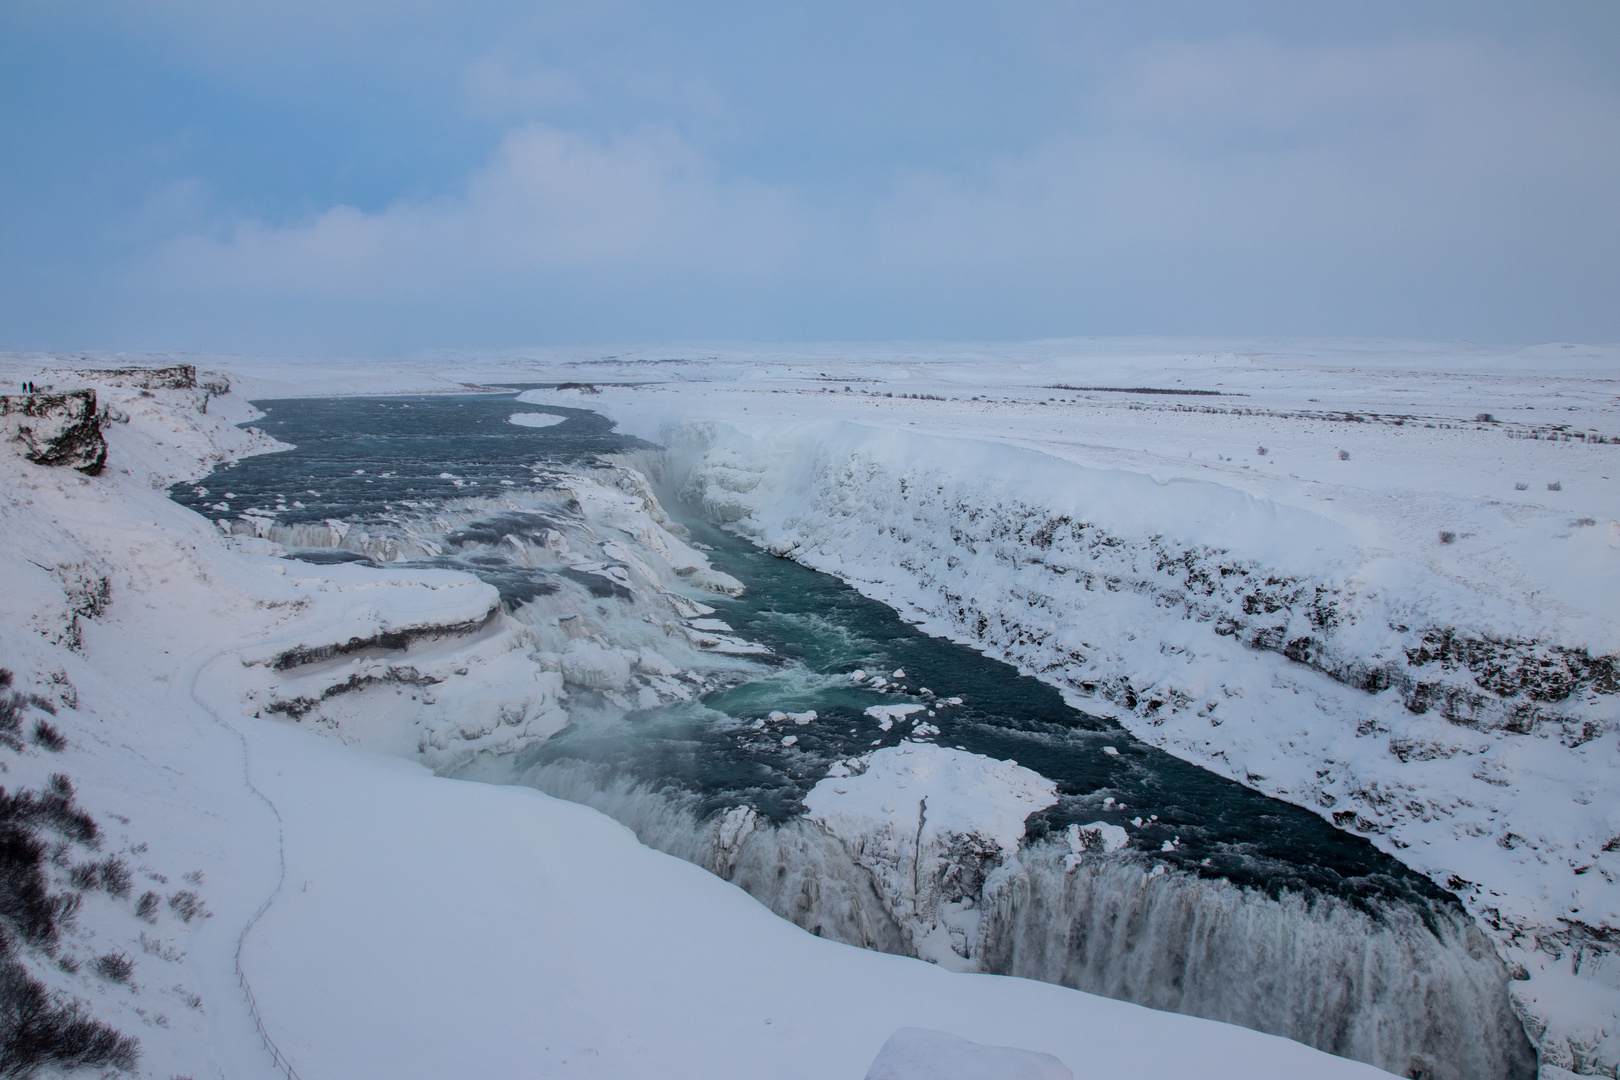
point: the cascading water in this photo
(1223, 904)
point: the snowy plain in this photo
(1374, 452)
(390, 922)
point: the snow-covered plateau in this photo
(1373, 580)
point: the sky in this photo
(388, 176)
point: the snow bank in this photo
(920, 1054)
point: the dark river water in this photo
(377, 461)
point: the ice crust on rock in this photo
(930, 824)
(921, 1054)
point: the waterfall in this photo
(1417, 991)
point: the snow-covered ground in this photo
(1376, 579)
(390, 922)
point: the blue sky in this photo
(383, 177)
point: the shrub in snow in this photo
(114, 967)
(1447, 536)
(1521, 486)
(147, 908)
(188, 905)
(1484, 418)
(116, 877)
(46, 736)
(36, 1031)
(1556, 485)
(25, 902)
(1262, 451)
(12, 704)
(1344, 455)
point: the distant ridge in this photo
(1142, 390)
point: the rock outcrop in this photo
(173, 377)
(57, 429)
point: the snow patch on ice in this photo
(535, 419)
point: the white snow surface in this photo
(920, 1054)
(535, 419)
(390, 922)
(946, 793)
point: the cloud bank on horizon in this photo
(382, 177)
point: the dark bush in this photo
(67, 906)
(1447, 536)
(36, 1031)
(25, 901)
(188, 905)
(46, 735)
(147, 907)
(54, 809)
(116, 877)
(11, 704)
(114, 967)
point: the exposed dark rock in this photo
(387, 639)
(173, 377)
(297, 707)
(58, 429)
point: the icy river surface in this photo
(1198, 895)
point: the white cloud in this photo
(1292, 187)
(547, 203)
(1233, 185)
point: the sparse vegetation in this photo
(1556, 485)
(1521, 486)
(1344, 455)
(1447, 536)
(1262, 451)
(111, 873)
(147, 907)
(47, 737)
(188, 905)
(114, 967)
(1484, 418)
(37, 1030)
(12, 704)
